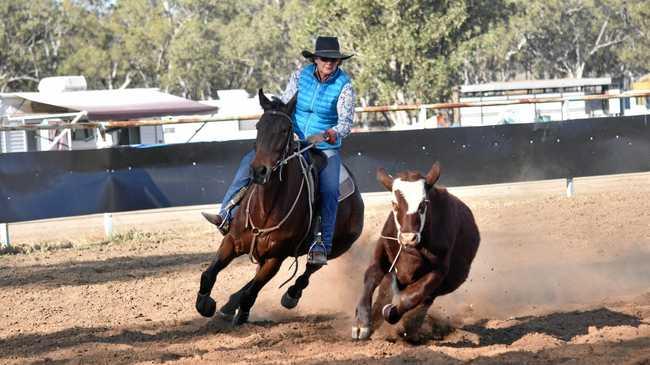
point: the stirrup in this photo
(318, 256)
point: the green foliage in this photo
(405, 51)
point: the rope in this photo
(392, 266)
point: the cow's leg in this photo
(292, 295)
(267, 270)
(205, 305)
(414, 294)
(409, 327)
(372, 278)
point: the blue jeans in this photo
(242, 178)
(329, 197)
(329, 192)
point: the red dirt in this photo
(556, 280)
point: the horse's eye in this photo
(394, 206)
(422, 207)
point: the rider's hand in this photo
(316, 138)
(331, 136)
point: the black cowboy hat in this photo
(327, 47)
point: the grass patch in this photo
(132, 236)
(37, 247)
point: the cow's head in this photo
(410, 203)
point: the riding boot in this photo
(223, 219)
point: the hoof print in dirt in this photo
(205, 305)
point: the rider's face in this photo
(326, 66)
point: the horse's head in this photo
(409, 197)
(274, 136)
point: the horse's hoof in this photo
(360, 333)
(389, 312)
(205, 305)
(240, 317)
(225, 315)
(288, 301)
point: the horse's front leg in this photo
(267, 270)
(422, 291)
(205, 305)
(227, 311)
(292, 295)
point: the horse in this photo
(275, 218)
(426, 248)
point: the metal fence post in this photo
(570, 190)
(108, 225)
(422, 116)
(4, 235)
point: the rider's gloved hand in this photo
(331, 136)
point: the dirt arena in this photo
(556, 280)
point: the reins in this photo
(257, 231)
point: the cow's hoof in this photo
(389, 312)
(360, 333)
(240, 317)
(205, 305)
(288, 301)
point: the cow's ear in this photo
(385, 179)
(265, 103)
(433, 175)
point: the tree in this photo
(405, 50)
(31, 38)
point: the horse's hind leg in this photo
(292, 295)
(267, 270)
(205, 305)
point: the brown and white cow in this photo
(427, 246)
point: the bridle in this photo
(304, 165)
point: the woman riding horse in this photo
(276, 217)
(325, 111)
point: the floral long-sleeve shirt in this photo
(344, 105)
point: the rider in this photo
(325, 107)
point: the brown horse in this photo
(427, 245)
(274, 220)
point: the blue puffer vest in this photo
(316, 109)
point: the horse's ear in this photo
(433, 175)
(265, 103)
(291, 105)
(385, 179)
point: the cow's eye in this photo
(422, 207)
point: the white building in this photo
(540, 112)
(66, 99)
(235, 102)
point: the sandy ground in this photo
(556, 280)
